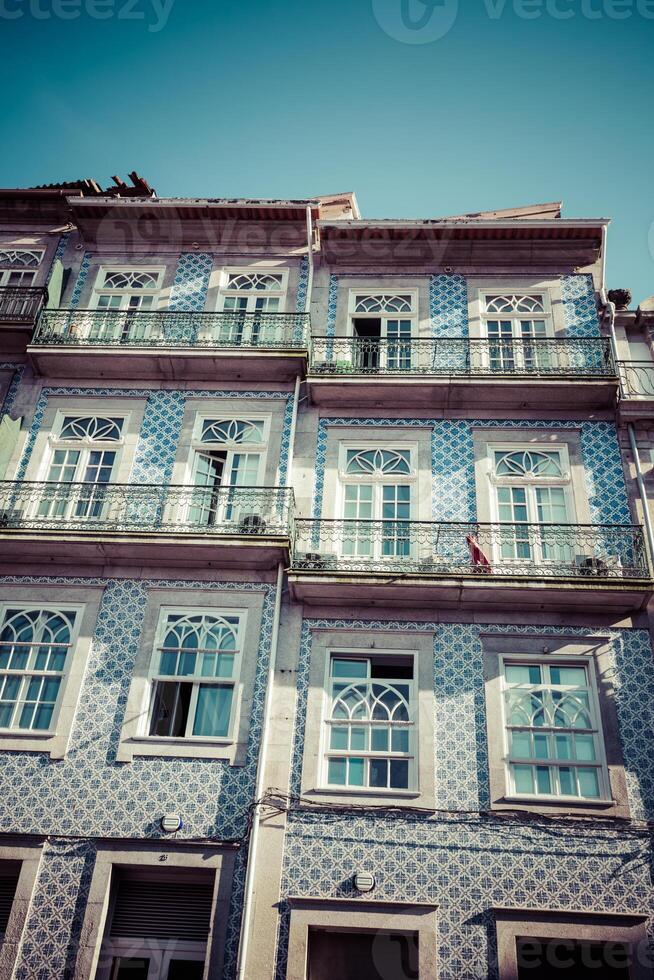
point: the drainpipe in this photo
(259, 787)
(641, 488)
(291, 437)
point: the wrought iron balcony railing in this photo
(121, 508)
(163, 328)
(494, 550)
(571, 357)
(21, 304)
(636, 379)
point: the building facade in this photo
(325, 646)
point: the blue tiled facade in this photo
(460, 861)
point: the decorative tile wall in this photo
(448, 306)
(302, 285)
(189, 289)
(14, 384)
(89, 794)
(80, 282)
(454, 491)
(157, 444)
(462, 861)
(579, 306)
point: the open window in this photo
(353, 955)
(516, 326)
(382, 326)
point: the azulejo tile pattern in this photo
(302, 285)
(448, 306)
(89, 795)
(160, 429)
(14, 384)
(189, 289)
(80, 282)
(59, 253)
(462, 861)
(332, 305)
(159, 436)
(579, 306)
(454, 492)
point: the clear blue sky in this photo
(298, 97)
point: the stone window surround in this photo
(361, 915)
(235, 264)
(324, 644)
(271, 411)
(368, 437)
(45, 243)
(133, 742)
(478, 286)
(416, 284)
(132, 260)
(85, 600)
(568, 440)
(58, 406)
(30, 859)
(597, 651)
(541, 924)
(166, 858)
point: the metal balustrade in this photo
(164, 328)
(21, 304)
(121, 508)
(584, 552)
(636, 379)
(573, 357)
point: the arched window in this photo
(34, 651)
(370, 723)
(518, 327)
(194, 672)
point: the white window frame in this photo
(512, 347)
(577, 660)
(401, 346)
(230, 448)
(85, 446)
(126, 327)
(27, 274)
(530, 484)
(393, 479)
(58, 608)
(354, 653)
(252, 294)
(234, 682)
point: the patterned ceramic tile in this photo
(454, 491)
(82, 276)
(579, 306)
(464, 862)
(14, 384)
(89, 794)
(448, 306)
(189, 289)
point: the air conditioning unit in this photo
(317, 559)
(252, 524)
(590, 565)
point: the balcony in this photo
(246, 527)
(459, 373)
(636, 388)
(164, 345)
(468, 565)
(19, 310)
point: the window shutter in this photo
(162, 910)
(8, 882)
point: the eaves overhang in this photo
(464, 243)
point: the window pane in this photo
(575, 676)
(400, 740)
(585, 748)
(379, 740)
(336, 772)
(563, 746)
(521, 745)
(522, 674)
(338, 739)
(355, 773)
(213, 711)
(541, 749)
(543, 781)
(170, 710)
(349, 668)
(399, 774)
(524, 779)
(358, 739)
(588, 783)
(567, 781)
(378, 772)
